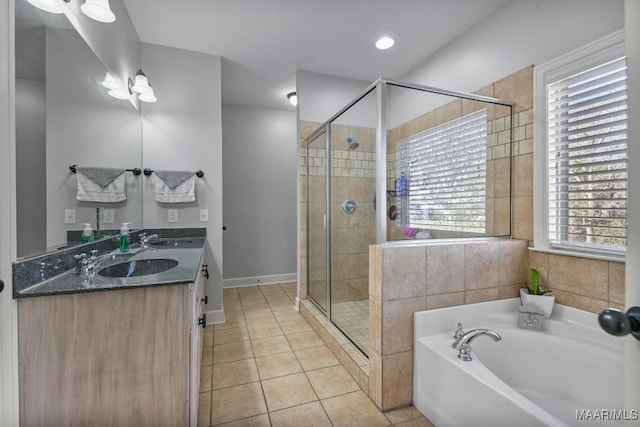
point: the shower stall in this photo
(399, 162)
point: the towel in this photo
(175, 186)
(101, 184)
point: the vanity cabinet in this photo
(124, 357)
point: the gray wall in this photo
(259, 177)
(183, 131)
(87, 127)
(31, 200)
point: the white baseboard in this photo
(215, 317)
(297, 304)
(259, 280)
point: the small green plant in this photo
(535, 289)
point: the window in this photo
(441, 176)
(585, 141)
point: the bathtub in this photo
(572, 370)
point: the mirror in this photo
(64, 117)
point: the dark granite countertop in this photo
(187, 252)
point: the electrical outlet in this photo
(204, 215)
(69, 216)
(173, 215)
(108, 216)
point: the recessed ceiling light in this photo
(385, 43)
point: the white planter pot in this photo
(544, 302)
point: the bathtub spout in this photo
(463, 344)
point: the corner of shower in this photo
(438, 141)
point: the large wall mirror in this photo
(64, 117)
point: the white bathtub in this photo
(526, 379)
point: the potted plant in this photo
(533, 294)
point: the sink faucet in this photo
(463, 342)
(86, 265)
(143, 239)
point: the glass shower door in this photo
(317, 221)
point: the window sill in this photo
(580, 254)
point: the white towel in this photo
(184, 192)
(90, 191)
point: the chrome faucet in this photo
(86, 266)
(143, 239)
(462, 343)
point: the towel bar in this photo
(136, 171)
(148, 172)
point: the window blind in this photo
(587, 149)
(445, 168)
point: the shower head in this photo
(353, 144)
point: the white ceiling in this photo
(264, 42)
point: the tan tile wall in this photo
(406, 279)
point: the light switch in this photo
(173, 215)
(108, 216)
(69, 216)
(204, 215)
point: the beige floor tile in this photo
(272, 345)
(205, 378)
(256, 310)
(259, 319)
(309, 414)
(230, 352)
(287, 391)
(286, 315)
(416, 422)
(316, 358)
(204, 409)
(235, 320)
(403, 414)
(257, 421)
(281, 304)
(207, 338)
(235, 403)
(304, 340)
(332, 381)
(277, 365)
(227, 336)
(294, 326)
(354, 409)
(252, 300)
(270, 289)
(265, 331)
(234, 373)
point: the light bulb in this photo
(141, 83)
(111, 83)
(148, 96)
(385, 43)
(98, 10)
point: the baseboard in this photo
(297, 304)
(259, 280)
(215, 317)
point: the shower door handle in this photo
(324, 221)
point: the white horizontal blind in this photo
(446, 168)
(587, 148)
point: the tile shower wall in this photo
(427, 275)
(352, 177)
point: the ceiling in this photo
(263, 43)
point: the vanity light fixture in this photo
(110, 83)
(141, 83)
(293, 98)
(385, 42)
(98, 10)
(148, 96)
(50, 6)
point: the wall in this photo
(183, 131)
(259, 187)
(31, 208)
(87, 127)
(521, 33)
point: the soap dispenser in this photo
(124, 237)
(87, 233)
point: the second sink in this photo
(136, 268)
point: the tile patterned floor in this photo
(352, 317)
(266, 367)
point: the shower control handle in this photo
(1, 286)
(618, 323)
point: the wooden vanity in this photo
(118, 357)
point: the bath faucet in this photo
(463, 343)
(143, 239)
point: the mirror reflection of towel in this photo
(101, 184)
(175, 186)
